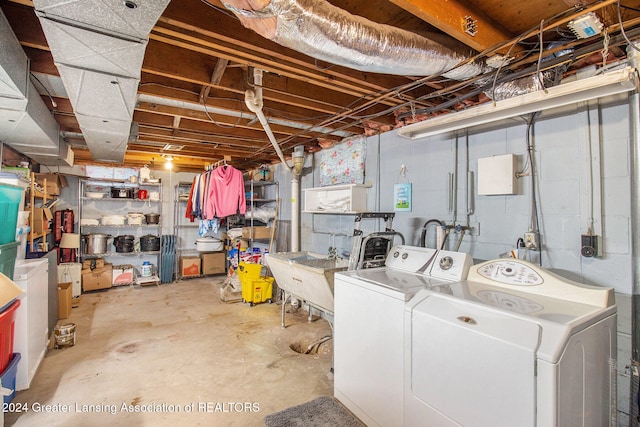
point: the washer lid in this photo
(557, 318)
(392, 282)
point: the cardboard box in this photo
(213, 262)
(190, 266)
(41, 219)
(54, 182)
(258, 232)
(95, 262)
(65, 299)
(122, 275)
(9, 291)
(100, 278)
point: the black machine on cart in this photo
(371, 250)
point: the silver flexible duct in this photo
(323, 31)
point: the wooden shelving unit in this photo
(41, 196)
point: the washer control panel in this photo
(449, 265)
(409, 258)
(441, 264)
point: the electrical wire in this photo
(538, 64)
(423, 235)
(622, 31)
(53, 102)
(534, 222)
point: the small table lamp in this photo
(70, 241)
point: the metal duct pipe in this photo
(98, 48)
(323, 31)
(153, 99)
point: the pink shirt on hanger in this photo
(225, 194)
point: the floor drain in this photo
(311, 347)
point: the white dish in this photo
(94, 195)
(113, 220)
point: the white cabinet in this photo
(71, 272)
(31, 327)
(348, 198)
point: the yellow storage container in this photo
(248, 271)
(257, 290)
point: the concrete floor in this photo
(177, 347)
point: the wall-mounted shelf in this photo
(336, 199)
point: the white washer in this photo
(368, 327)
(514, 345)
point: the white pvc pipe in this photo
(253, 99)
(295, 213)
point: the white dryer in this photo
(368, 327)
(513, 345)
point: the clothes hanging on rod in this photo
(225, 193)
(215, 194)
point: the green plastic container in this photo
(10, 196)
(8, 255)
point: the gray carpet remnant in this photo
(324, 411)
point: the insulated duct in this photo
(98, 47)
(323, 31)
(26, 124)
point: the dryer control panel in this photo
(509, 272)
(531, 278)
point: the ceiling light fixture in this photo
(611, 83)
(169, 162)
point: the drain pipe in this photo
(296, 172)
(634, 153)
(254, 101)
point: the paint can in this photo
(65, 335)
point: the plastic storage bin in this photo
(10, 196)
(8, 255)
(7, 328)
(257, 290)
(8, 377)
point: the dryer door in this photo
(469, 365)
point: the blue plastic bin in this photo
(8, 377)
(10, 196)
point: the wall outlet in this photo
(532, 241)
